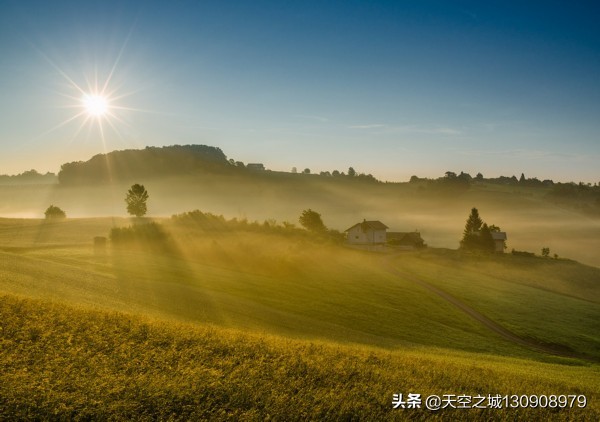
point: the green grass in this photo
(323, 323)
(553, 301)
(63, 362)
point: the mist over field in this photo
(531, 221)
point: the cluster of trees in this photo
(149, 233)
(465, 180)
(477, 235)
(450, 182)
(351, 174)
(209, 222)
(310, 221)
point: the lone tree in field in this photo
(311, 220)
(136, 200)
(53, 212)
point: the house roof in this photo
(373, 225)
(499, 235)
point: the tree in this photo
(351, 172)
(136, 200)
(311, 220)
(486, 241)
(545, 252)
(53, 212)
(294, 170)
(477, 235)
(450, 175)
(306, 171)
(471, 235)
(474, 222)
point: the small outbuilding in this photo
(255, 166)
(499, 241)
(367, 233)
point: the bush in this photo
(523, 253)
(53, 212)
(149, 235)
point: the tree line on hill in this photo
(145, 163)
(465, 180)
(29, 177)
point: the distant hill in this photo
(175, 160)
(149, 162)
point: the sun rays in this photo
(95, 98)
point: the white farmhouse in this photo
(367, 233)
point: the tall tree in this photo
(136, 200)
(474, 222)
(351, 172)
(471, 233)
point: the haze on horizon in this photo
(390, 89)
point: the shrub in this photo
(53, 212)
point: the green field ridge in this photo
(63, 362)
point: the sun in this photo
(97, 102)
(95, 105)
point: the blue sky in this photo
(390, 88)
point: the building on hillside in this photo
(405, 240)
(255, 166)
(367, 233)
(499, 241)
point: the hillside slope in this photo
(63, 362)
(271, 282)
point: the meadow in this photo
(257, 323)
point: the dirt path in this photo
(532, 344)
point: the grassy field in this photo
(329, 332)
(68, 363)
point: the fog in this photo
(530, 221)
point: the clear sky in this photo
(390, 88)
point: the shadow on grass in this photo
(152, 269)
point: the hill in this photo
(283, 283)
(151, 162)
(152, 327)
